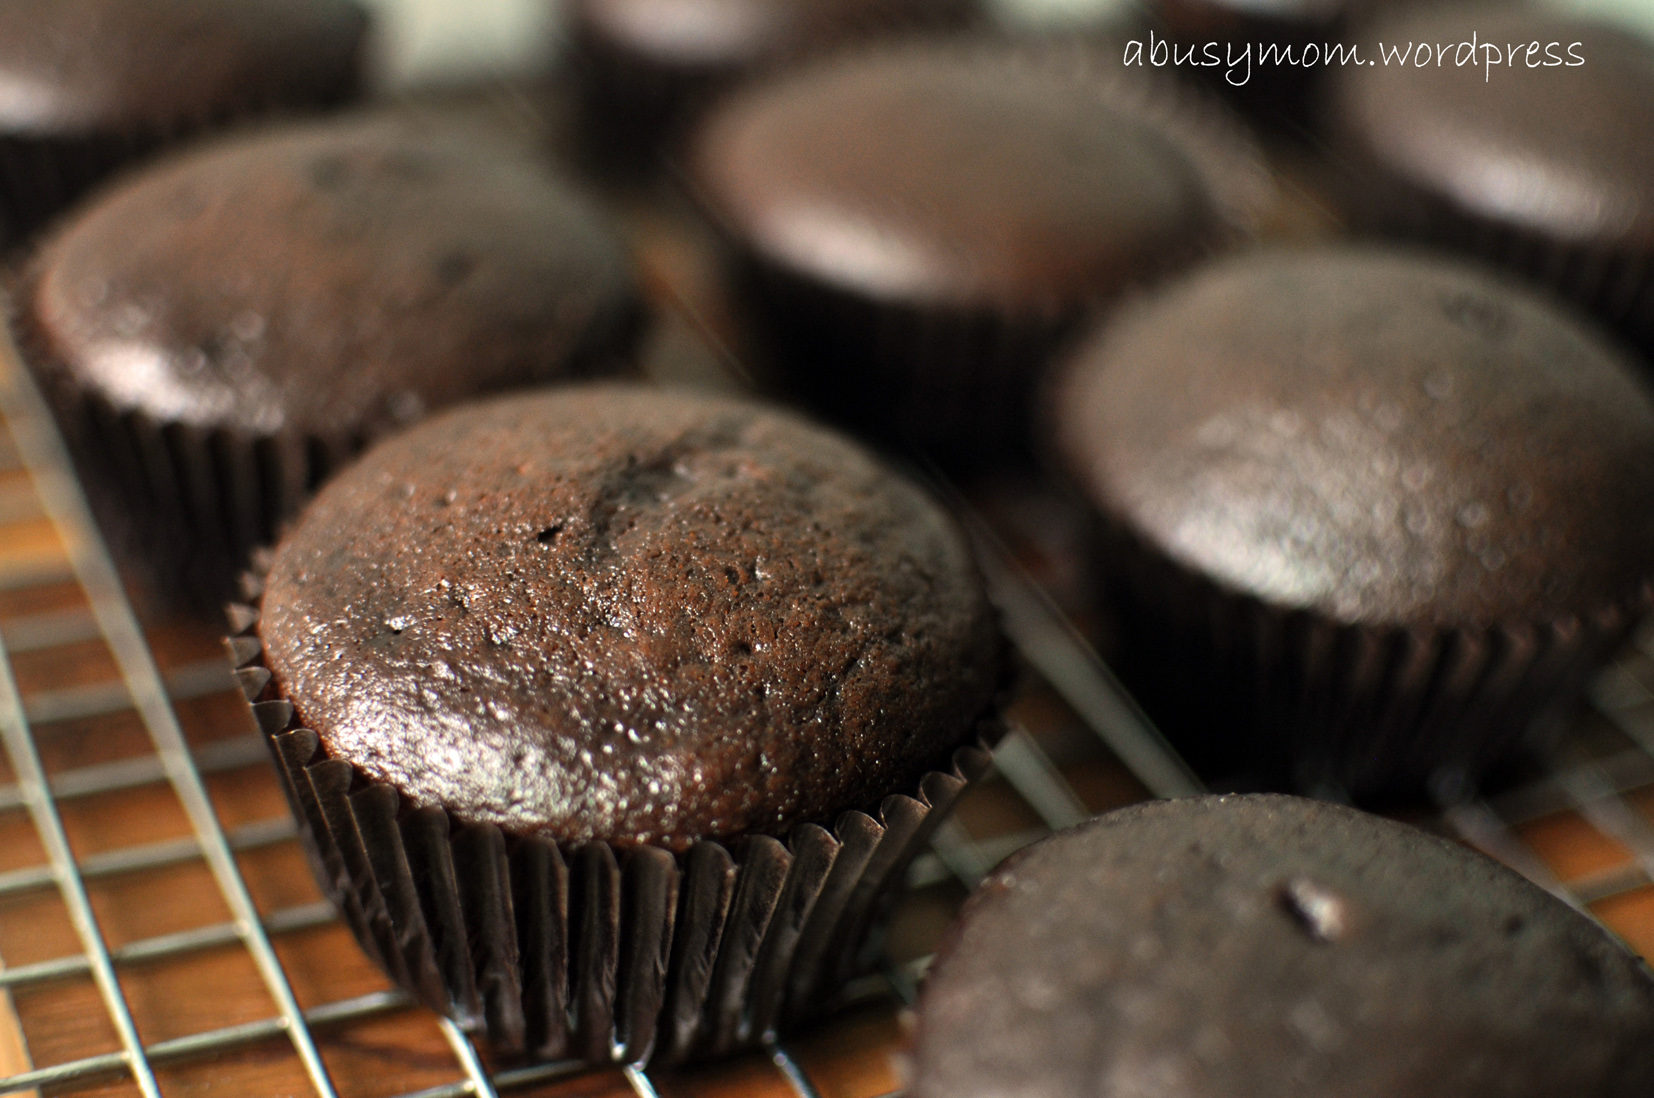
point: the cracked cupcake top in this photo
(615, 613)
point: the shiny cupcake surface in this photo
(617, 614)
(1554, 140)
(1244, 947)
(1377, 436)
(952, 175)
(334, 279)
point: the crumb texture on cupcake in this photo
(1378, 437)
(139, 66)
(1254, 947)
(335, 279)
(617, 614)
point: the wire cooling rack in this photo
(160, 934)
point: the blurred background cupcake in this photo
(92, 85)
(1368, 514)
(915, 229)
(1541, 161)
(223, 330)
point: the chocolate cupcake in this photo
(93, 84)
(619, 644)
(644, 68)
(915, 229)
(1542, 162)
(222, 330)
(1367, 513)
(1243, 947)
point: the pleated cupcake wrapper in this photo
(198, 501)
(594, 952)
(958, 384)
(629, 111)
(1615, 285)
(961, 382)
(41, 176)
(1379, 713)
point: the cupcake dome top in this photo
(1559, 141)
(945, 174)
(622, 614)
(95, 66)
(1378, 436)
(1242, 947)
(334, 278)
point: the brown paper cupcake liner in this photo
(192, 503)
(594, 952)
(960, 383)
(957, 384)
(41, 176)
(627, 111)
(1380, 714)
(1615, 285)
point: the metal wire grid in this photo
(141, 688)
(1590, 775)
